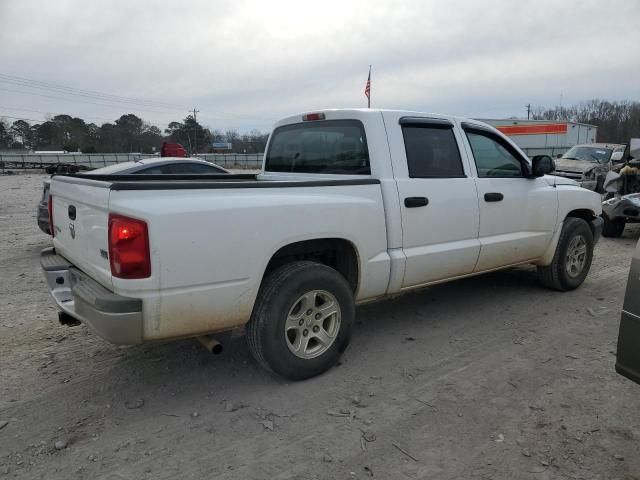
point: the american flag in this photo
(367, 89)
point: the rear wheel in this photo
(612, 227)
(302, 320)
(572, 259)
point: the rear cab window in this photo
(325, 146)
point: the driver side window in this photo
(492, 159)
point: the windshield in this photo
(329, 146)
(590, 154)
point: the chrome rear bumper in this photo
(115, 318)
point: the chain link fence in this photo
(9, 161)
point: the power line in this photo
(55, 113)
(85, 96)
(83, 101)
(92, 94)
(214, 115)
(93, 97)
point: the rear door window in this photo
(327, 146)
(432, 152)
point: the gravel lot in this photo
(491, 377)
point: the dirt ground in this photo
(491, 377)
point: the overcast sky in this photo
(244, 64)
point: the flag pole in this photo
(369, 96)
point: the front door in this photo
(518, 215)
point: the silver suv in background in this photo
(588, 164)
(628, 355)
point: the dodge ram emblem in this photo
(72, 230)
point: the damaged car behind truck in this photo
(589, 164)
(622, 199)
(351, 206)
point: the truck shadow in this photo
(185, 368)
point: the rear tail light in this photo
(128, 247)
(50, 209)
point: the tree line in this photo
(617, 122)
(127, 134)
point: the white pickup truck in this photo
(351, 206)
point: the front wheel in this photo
(302, 320)
(572, 259)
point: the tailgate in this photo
(80, 217)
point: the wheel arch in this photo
(335, 252)
(585, 214)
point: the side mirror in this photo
(542, 165)
(617, 157)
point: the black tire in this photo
(279, 294)
(612, 228)
(555, 275)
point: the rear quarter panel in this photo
(210, 247)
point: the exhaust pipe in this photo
(65, 319)
(211, 344)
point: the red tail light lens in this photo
(128, 247)
(50, 208)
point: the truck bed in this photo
(212, 236)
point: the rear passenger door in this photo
(517, 213)
(439, 202)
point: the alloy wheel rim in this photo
(576, 257)
(313, 323)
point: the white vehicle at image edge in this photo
(351, 206)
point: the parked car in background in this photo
(149, 166)
(351, 206)
(628, 354)
(588, 164)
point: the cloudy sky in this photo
(244, 64)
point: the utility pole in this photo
(528, 105)
(195, 132)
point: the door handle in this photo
(413, 202)
(493, 197)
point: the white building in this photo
(549, 137)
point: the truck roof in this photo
(362, 112)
